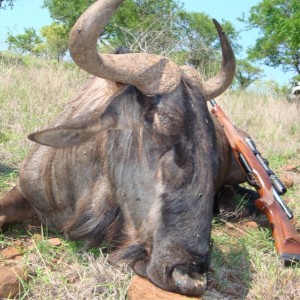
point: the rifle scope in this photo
(276, 182)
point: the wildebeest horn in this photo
(218, 84)
(152, 74)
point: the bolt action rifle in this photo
(268, 186)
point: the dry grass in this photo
(244, 262)
(63, 271)
(31, 94)
(273, 123)
(65, 275)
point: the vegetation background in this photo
(167, 28)
(36, 85)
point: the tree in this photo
(246, 74)
(133, 15)
(66, 12)
(159, 27)
(53, 43)
(198, 41)
(6, 3)
(165, 28)
(56, 40)
(25, 43)
(144, 26)
(279, 23)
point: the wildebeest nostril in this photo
(188, 283)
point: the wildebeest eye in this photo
(148, 102)
(150, 108)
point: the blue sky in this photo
(28, 13)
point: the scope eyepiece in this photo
(278, 185)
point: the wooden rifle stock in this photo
(287, 240)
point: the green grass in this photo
(65, 271)
(245, 265)
(7, 179)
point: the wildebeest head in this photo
(160, 144)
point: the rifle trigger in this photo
(252, 181)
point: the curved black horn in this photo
(218, 84)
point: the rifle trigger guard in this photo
(252, 181)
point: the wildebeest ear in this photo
(82, 128)
(77, 131)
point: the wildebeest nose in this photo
(189, 283)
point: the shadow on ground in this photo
(5, 170)
(230, 273)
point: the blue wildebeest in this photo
(135, 159)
